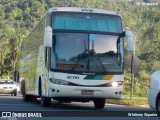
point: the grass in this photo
(135, 101)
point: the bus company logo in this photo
(72, 77)
(6, 114)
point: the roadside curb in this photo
(144, 106)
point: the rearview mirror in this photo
(48, 37)
(130, 41)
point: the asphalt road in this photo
(70, 111)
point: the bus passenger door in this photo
(46, 73)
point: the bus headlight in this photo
(59, 82)
(114, 84)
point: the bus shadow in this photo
(69, 106)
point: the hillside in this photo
(19, 17)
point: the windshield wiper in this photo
(90, 53)
(93, 52)
(80, 57)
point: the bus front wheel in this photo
(99, 103)
(45, 101)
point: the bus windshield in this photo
(86, 22)
(76, 52)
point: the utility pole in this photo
(132, 73)
(132, 78)
(1, 61)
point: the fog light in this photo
(53, 90)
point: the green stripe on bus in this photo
(90, 77)
(94, 77)
(99, 77)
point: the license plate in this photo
(87, 92)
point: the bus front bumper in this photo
(85, 92)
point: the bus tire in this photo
(26, 97)
(99, 103)
(45, 101)
(39, 88)
(33, 99)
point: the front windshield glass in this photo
(76, 52)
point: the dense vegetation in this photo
(18, 18)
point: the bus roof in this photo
(82, 10)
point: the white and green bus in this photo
(75, 54)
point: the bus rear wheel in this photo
(45, 101)
(99, 103)
(33, 99)
(26, 97)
